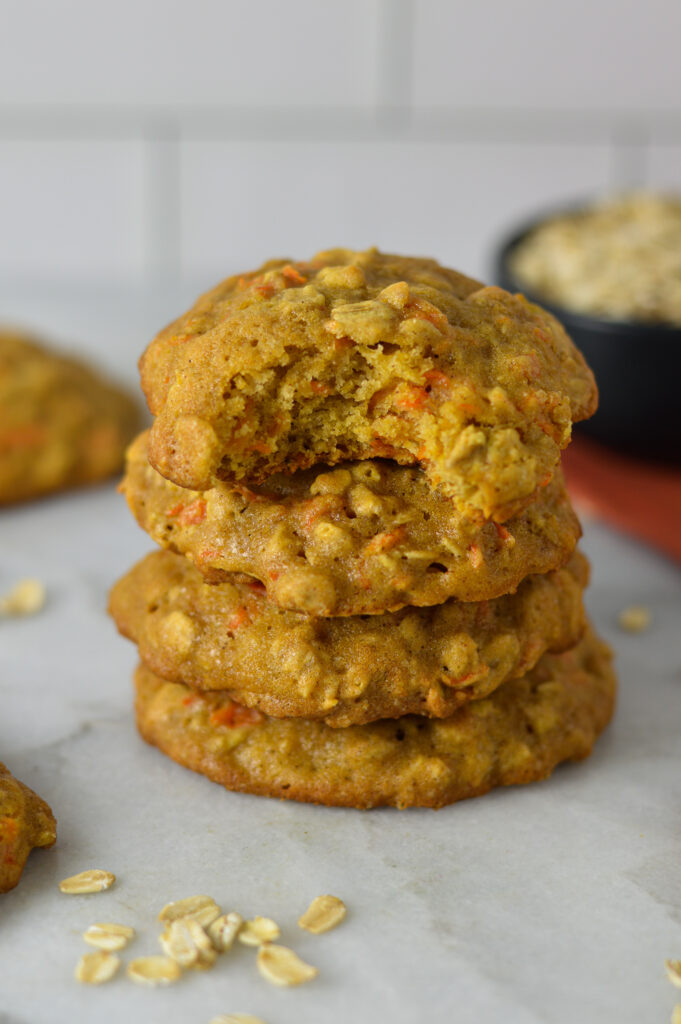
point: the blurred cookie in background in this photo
(61, 423)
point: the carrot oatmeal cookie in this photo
(60, 424)
(364, 537)
(355, 355)
(518, 734)
(25, 822)
(425, 661)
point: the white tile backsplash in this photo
(72, 209)
(664, 167)
(604, 54)
(242, 203)
(171, 53)
(165, 141)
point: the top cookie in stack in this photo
(360, 456)
(356, 355)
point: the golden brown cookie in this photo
(25, 822)
(61, 425)
(365, 537)
(346, 671)
(355, 355)
(518, 734)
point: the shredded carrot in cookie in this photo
(238, 619)
(232, 715)
(385, 541)
(189, 515)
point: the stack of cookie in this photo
(369, 591)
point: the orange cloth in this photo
(640, 498)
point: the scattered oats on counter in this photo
(258, 931)
(25, 598)
(94, 880)
(281, 966)
(635, 619)
(111, 937)
(195, 932)
(323, 914)
(97, 968)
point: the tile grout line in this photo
(395, 62)
(385, 122)
(163, 229)
(630, 156)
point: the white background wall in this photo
(158, 140)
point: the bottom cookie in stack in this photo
(517, 734)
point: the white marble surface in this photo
(555, 902)
(547, 904)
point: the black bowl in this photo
(637, 367)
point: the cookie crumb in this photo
(636, 618)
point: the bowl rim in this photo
(586, 321)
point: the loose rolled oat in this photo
(109, 936)
(258, 931)
(154, 970)
(25, 598)
(186, 942)
(201, 908)
(237, 1018)
(96, 968)
(93, 880)
(281, 966)
(224, 930)
(636, 618)
(323, 914)
(673, 968)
